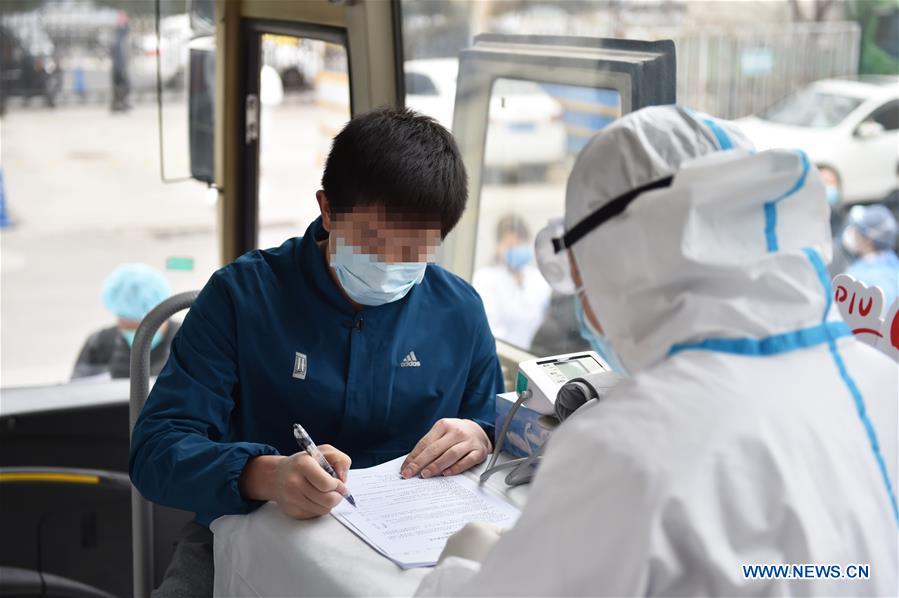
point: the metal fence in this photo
(734, 73)
(728, 73)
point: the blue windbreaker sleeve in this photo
(180, 456)
(485, 379)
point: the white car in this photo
(848, 128)
(525, 127)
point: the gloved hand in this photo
(472, 542)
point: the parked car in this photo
(28, 67)
(431, 87)
(525, 129)
(848, 127)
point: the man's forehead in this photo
(378, 217)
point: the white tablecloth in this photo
(266, 553)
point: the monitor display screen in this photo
(562, 371)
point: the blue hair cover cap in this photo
(132, 290)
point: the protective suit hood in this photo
(720, 254)
(772, 441)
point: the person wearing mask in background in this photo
(515, 295)
(129, 293)
(870, 237)
(753, 430)
(347, 330)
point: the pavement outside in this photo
(84, 190)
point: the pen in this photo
(306, 444)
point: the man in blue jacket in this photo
(346, 330)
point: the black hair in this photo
(401, 160)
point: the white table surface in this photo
(266, 553)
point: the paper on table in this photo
(408, 521)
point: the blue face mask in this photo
(833, 195)
(518, 257)
(598, 342)
(128, 335)
(369, 281)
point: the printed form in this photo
(408, 521)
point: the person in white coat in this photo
(514, 293)
(754, 430)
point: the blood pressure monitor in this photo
(584, 375)
(546, 375)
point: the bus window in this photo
(534, 131)
(80, 178)
(304, 99)
(521, 107)
(751, 60)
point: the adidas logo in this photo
(410, 361)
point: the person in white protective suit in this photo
(753, 430)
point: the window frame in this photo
(643, 74)
(888, 104)
(253, 32)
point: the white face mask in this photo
(369, 281)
